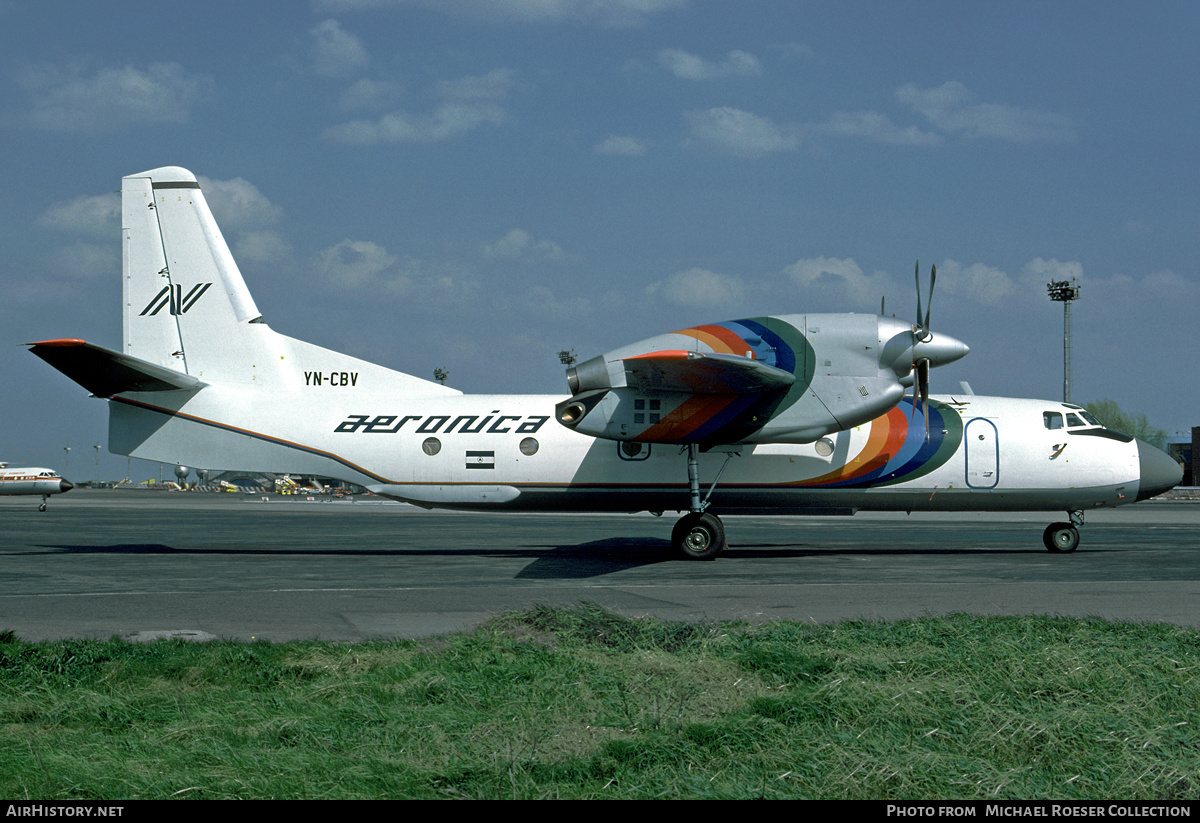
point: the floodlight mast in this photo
(1064, 291)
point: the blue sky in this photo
(475, 185)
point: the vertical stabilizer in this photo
(181, 282)
(187, 308)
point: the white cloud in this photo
(73, 100)
(951, 107)
(687, 66)
(519, 244)
(698, 287)
(261, 247)
(497, 84)
(978, 282)
(446, 121)
(363, 265)
(354, 264)
(97, 216)
(84, 260)
(336, 53)
(375, 95)
(623, 146)
(824, 278)
(238, 204)
(874, 126)
(467, 104)
(738, 132)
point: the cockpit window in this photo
(1090, 418)
(1053, 420)
(1074, 420)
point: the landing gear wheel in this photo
(1061, 538)
(42, 507)
(699, 536)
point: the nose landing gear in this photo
(1063, 538)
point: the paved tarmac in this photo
(139, 564)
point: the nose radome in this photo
(1159, 471)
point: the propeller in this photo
(922, 334)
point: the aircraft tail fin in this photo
(186, 305)
(179, 276)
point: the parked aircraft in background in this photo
(32, 481)
(793, 414)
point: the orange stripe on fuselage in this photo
(883, 442)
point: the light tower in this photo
(1064, 291)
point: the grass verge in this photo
(582, 703)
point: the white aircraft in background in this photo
(796, 414)
(32, 481)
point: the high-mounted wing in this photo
(703, 373)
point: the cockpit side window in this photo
(1052, 420)
(1073, 420)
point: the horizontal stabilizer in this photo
(105, 372)
(703, 373)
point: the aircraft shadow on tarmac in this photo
(564, 561)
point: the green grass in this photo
(581, 703)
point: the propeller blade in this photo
(929, 303)
(917, 277)
(923, 389)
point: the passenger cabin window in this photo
(1053, 420)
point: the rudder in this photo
(186, 306)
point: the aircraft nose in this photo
(1159, 472)
(65, 485)
(941, 349)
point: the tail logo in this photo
(174, 298)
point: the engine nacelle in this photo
(786, 379)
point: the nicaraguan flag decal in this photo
(481, 460)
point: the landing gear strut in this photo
(1062, 538)
(42, 507)
(699, 535)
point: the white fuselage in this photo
(481, 451)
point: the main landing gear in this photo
(1062, 538)
(699, 535)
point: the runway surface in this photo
(143, 564)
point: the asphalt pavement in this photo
(141, 564)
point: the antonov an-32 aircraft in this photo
(28, 480)
(795, 414)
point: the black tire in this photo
(698, 536)
(1061, 538)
